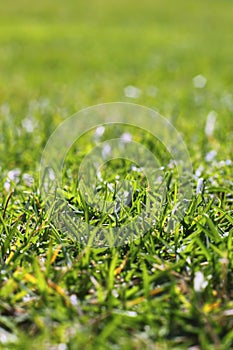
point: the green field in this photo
(164, 290)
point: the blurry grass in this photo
(56, 58)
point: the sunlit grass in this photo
(166, 290)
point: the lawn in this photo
(167, 289)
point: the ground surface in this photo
(164, 291)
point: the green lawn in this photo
(165, 290)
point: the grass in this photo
(166, 290)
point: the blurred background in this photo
(57, 57)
